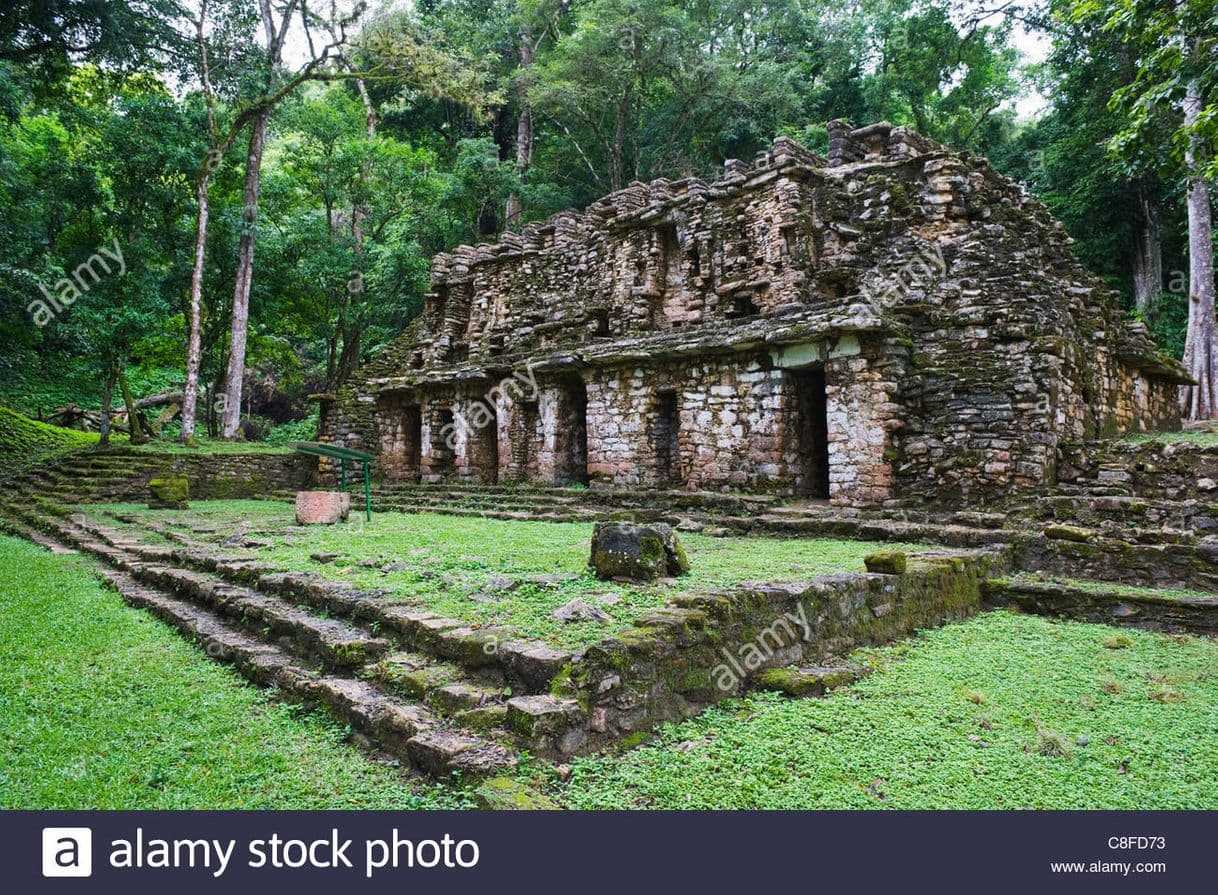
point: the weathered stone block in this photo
(537, 717)
(1069, 533)
(885, 562)
(171, 492)
(633, 550)
(322, 507)
(506, 794)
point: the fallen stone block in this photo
(886, 562)
(322, 507)
(640, 551)
(169, 493)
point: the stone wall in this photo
(253, 476)
(977, 340)
(704, 647)
(212, 476)
(1166, 470)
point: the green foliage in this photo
(904, 739)
(107, 708)
(301, 430)
(1172, 44)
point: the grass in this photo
(1201, 438)
(25, 442)
(205, 445)
(1129, 590)
(1065, 722)
(102, 706)
(438, 561)
(105, 707)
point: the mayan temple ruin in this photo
(894, 322)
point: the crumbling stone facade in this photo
(896, 321)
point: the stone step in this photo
(1153, 610)
(601, 497)
(333, 643)
(954, 530)
(1128, 511)
(406, 729)
(492, 501)
(527, 666)
(518, 514)
(478, 703)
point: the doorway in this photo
(811, 433)
(412, 441)
(666, 439)
(571, 438)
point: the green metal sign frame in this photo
(342, 455)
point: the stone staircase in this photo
(121, 474)
(711, 513)
(442, 697)
(1146, 608)
(116, 474)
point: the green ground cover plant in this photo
(25, 442)
(1001, 711)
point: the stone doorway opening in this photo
(484, 441)
(523, 438)
(412, 441)
(443, 456)
(666, 439)
(811, 431)
(571, 435)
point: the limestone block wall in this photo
(986, 343)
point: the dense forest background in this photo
(275, 175)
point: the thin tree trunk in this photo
(133, 415)
(349, 325)
(348, 361)
(194, 342)
(234, 381)
(1199, 401)
(1147, 249)
(524, 126)
(107, 405)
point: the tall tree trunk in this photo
(194, 341)
(1199, 401)
(348, 361)
(524, 126)
(107, 405)
(133, 414)
(1147, 248)
(234, 380)
(349, 322)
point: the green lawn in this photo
(205, 445)
(438, 561)
(102, 706)
(1201, 439)
(984, 714)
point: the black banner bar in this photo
(611, 852)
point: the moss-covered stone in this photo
(886, 562)
(169, 492)
(506, 794)
(1074, 533)
(639, 551)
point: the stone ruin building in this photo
(897, 321)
